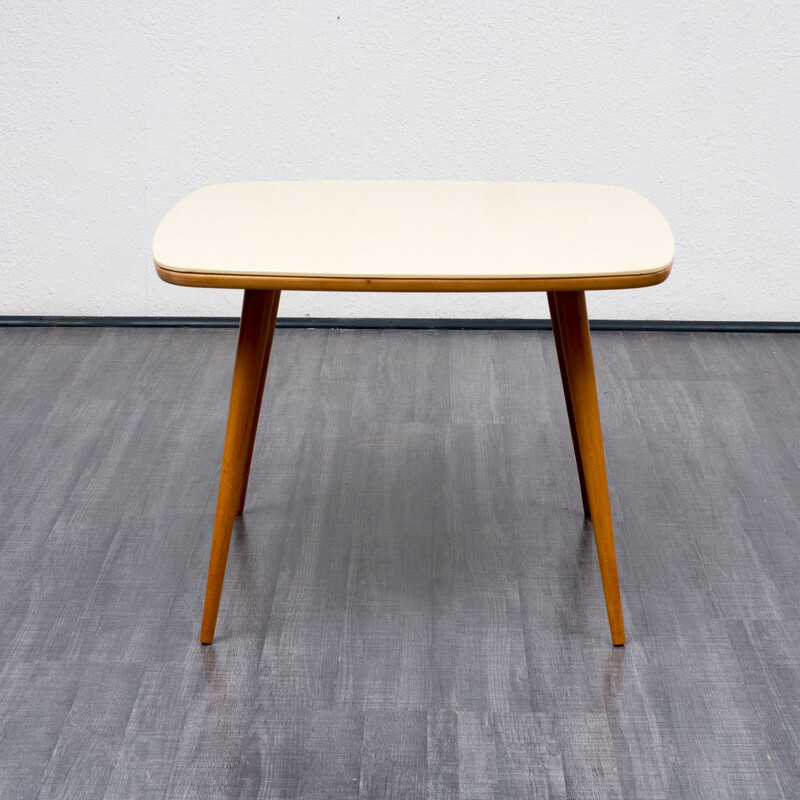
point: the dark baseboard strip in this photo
(119, 322)
(690, 326)
(392, 323)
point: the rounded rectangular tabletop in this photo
(413, 236)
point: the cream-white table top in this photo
(414, 230)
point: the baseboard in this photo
(394, 323)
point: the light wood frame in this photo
(217, 280)
(567, 303)
(259, 310)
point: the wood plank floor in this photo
(412, 607)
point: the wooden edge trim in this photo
(320, 284)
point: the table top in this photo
(414, 235)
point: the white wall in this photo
(110, 112)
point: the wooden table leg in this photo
(579, 367)
(568, 400)
(253, 335)
(273, 315)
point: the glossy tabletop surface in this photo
(414, 231)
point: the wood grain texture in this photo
(320, 284)
(551, 302)
(249, 372)
(510, 755)
(412, 599)
(262, 380)
(573, 325)
(393, 755)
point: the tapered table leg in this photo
(273, 315)
(579, 368)
(568, 399)
(253, 335)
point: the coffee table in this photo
(414, 236)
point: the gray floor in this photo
(412, 605)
